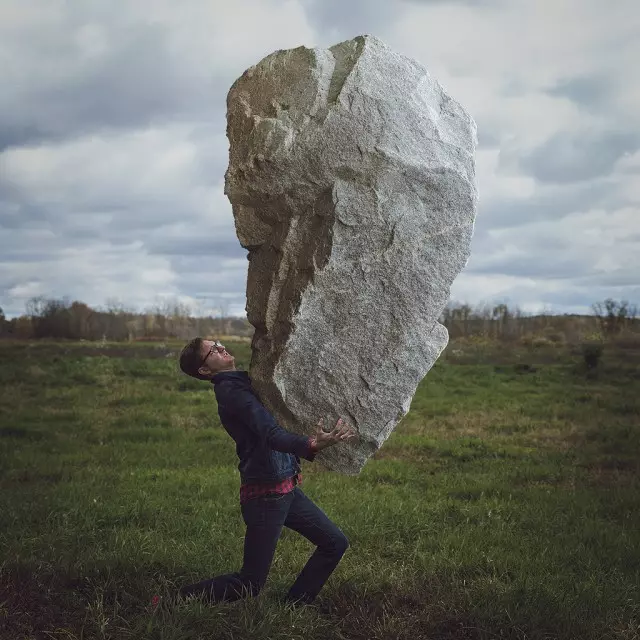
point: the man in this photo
(270, 496)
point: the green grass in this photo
(505, 505)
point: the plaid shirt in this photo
(249, 491)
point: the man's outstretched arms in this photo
(264, 426)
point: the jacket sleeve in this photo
(264, 426)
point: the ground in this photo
(506, 504)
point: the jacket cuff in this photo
(312, 451)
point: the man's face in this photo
(215, 357)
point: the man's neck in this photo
(232, 368)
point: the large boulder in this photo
(352, 179)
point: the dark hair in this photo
(191, 359)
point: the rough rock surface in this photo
(352, 179)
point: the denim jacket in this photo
(267, 452)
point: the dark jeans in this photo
(265, 516)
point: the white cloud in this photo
(94, 273)
(499, 59)
(494, 183)
(89, 170)
(588, 255)
(26, 290)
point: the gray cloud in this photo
(209, 279)
(136, 82)
(14, 133)
(618, 279)
(350, 19)
(552, 204)
(589, 91)
(547, 265)
(360, 17)
(203, 277)
(472, 3)
(206, 248)
(572, 157)
(589, 295)
(487, 136)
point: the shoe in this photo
(156, 602)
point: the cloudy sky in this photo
(113, 146)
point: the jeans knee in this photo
(340, 544)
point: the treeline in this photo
(62, 319)
(610, 318)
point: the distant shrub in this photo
(538, 342)
(479, 340)
(549, 337)
(554, 336)
(526, 339)
(627, 340)
(592, 350)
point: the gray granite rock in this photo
(352, 179)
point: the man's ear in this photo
(204, 371)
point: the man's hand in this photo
(341, 433)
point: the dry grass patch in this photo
(604, 475)
(556, 434)
(406, 454)
(487, 424)
(463, 424)
(508, 432)
(34, 371)
(471, 424)
(186, 422)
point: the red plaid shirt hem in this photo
(249, 491)
(255, 490)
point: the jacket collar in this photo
(230, 375)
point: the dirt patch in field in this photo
(619, 474)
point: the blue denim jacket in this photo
(267, 452)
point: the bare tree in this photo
(613, 315)
(79, 320)
(223, 314)
(500, 317)
(35, 306)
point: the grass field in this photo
(505, 505)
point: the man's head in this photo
(202, 359)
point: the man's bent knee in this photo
(339, 545)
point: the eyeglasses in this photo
(215, 346)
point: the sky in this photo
(113, 142)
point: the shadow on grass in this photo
(114, 602)
(440, 607)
